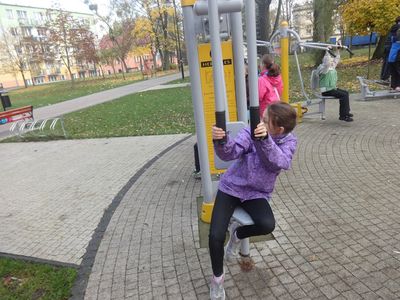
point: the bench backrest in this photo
(314, 80)
(16, 114)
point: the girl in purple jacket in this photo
(249, 183)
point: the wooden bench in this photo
(16, 114)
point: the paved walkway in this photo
(53, 194)
(65, 107)
(337, 212)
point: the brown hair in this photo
(268, 63)
(281, 114)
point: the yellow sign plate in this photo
(207, 87)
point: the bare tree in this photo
(287, 8)
(160, 15)
(13, 56)
(277, 17)
(63, 37)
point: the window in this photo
(41, 32)
(22, 14)
(13, 31)
(39, 17)
(26, 32)
(18, 50)
(10, 14)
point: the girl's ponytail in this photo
(274, 70)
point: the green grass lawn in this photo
(170, 111)
(51, 93)
(180, 80)
(26, 280)
(158, 112)
(148, 113)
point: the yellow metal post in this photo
(285, 60)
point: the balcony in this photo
(53, 71)
(25, 22)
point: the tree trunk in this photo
(113, 67)
(23, 78)
(141, 66)
(124, 64)
(70, 74)
(154, 56)
(323, 24)
(276, 24)
(102, 71)
(378, 53)
(124, 67)
(265, 28)
(166, 62)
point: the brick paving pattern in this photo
(337, 212)
(53, 194)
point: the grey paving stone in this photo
(68, 194)
(337, 217)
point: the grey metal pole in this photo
(221, 115)
(252, 68)
(194, 69)
(238, 55)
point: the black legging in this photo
(343, 96)
(394, 74)
(224, 206)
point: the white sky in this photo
(69, 5)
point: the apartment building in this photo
(303, 21)
(20, 28)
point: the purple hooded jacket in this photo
(258, 163)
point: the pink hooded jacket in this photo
(269, 90)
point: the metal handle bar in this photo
(332, 46)
(317, 46)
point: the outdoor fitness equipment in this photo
(367, 94)
(317, 99)
(212, 86)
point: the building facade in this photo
(303, 21)
(23, 32)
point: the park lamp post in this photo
(180, 61)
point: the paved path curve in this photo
(337, 211)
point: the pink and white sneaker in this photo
(217, 291)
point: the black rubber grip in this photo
(254, 119)
(331, 53)
(351, 52)
(221, 123)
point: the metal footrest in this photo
(243, 218)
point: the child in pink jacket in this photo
(270, 84)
